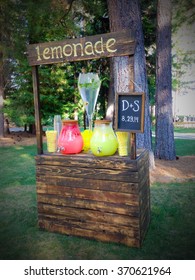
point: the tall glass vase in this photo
(89, 87)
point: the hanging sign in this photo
(91, 47)
(130, 112)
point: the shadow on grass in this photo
(170, 235)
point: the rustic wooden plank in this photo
(144, 208)
(88, 215)
(104, 185)
(144, 182)
(89, 204)
(144, 219)
(144, 225)
(108, 237)
(100, 227)
(96, 195)
(104, 199)
(99, 174)
(143, 172)
(91, 47)
(143, 158)
(144, 197)
(87, 160)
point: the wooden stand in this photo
(102, 198)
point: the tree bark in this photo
(111, 94)
(1, 96)
(126, 15)
(164, 146)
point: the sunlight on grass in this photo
(18, 148)
(170, 234)
(26, 156)
(18, 166)
(183, 147)
(181, 129)
(184, 129)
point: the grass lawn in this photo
(181, 129)
(183, 147)
(170, 235)
(184, 129)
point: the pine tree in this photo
(165, 147)
(126, 15)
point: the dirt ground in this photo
(18, 138)
(180, 170)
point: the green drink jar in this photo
(103, 141)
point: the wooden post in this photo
(37, 109)
(133, 145)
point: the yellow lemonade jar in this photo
(103, 141)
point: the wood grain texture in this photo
(90, 194)
(89, 173)
(92, 47)
(109, 207)
(88, 160)
(93, 184)
(35, 78)
(55, 226)
(106, 199)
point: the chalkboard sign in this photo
(130, 112)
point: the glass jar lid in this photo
(69, 122)
(102, 122)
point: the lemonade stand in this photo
(102, 194)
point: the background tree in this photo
(183, 58)
(148, 14)
(126, 15)
(19, 97)
(1, 95)
(53, 20)
(58, 20)
(164, 145)
(7, 23)
(184, 12)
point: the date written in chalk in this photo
(131, 119)
(143, 270)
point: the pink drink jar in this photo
(70, 140)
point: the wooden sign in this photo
(130, 112)
(92, 47)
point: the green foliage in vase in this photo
(92, 85)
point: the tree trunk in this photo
(6, 128)
(111, 95)
(126, 15)
(164, 146)
(1, 96)
(32, 129)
